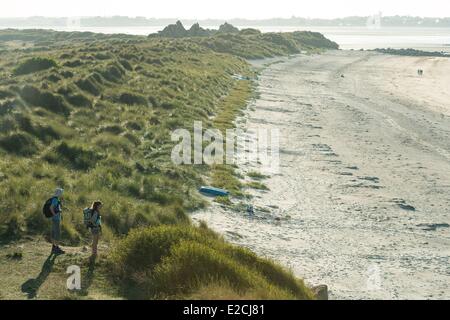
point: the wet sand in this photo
(362, 199)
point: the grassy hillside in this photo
(176, 262)
(93, 114)
(252, 44)
(97, 121)
(249, 43)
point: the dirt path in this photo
(28, 271)
(363, 195)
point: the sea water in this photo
(430, 39)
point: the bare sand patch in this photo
(365, 175)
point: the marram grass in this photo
(93, 114)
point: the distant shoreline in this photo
(423, 38)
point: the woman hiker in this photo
(93, 220)
(56, 210)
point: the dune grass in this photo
(256, 175)
(223, 175)
(104, 131)
(181, 261)
(93, 114)
(257, 185)
(33, 65)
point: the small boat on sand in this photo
(216, 192)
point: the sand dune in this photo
(363, 195)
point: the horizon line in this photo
(234, 18)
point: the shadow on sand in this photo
(31, 286)
(88, 277)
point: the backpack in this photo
(87, 217)
(46, 209)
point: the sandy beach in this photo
(362, 199)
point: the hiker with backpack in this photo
(53, 210)
(93, 221)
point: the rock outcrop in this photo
(228, 28)
(320, 292)
(177, 30)
(197, 31)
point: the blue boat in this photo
(216, 192)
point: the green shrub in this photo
(66, 56)
(111, 128)
(173, 214)
(34, 65)
(132, 99)
(143, 249)
(36, 222)
(79, 100)
(9, 105)
(15, 228)
(15, 254)
(134, 125)
(95, 76)
(283, 41)
(313, 39)
(89, 85)
(256, 175)
(53, 78)
(114, 222)
(69, 235)
(21, 144)
(67, 74)
(168, 105)
(153, 101)
(277, 275)
(250, 32)
(132, 138)
(223, 177)
(192, 264)
(44, 133)
(225, 291)
(44, 99)
(257, 185)
(77, 157)
(412, 52)
(112, 73)
(126, 64)
(153, 191)
(7, 124)
(175, 261)
(61, 130)
(5, 94)
(102, 56)
(73, 63)
(223, 200)
(113, 143)
(117, 167)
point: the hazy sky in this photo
(223, 9)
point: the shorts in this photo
(95, 230)
(56, 229)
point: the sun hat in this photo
(59, 192)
